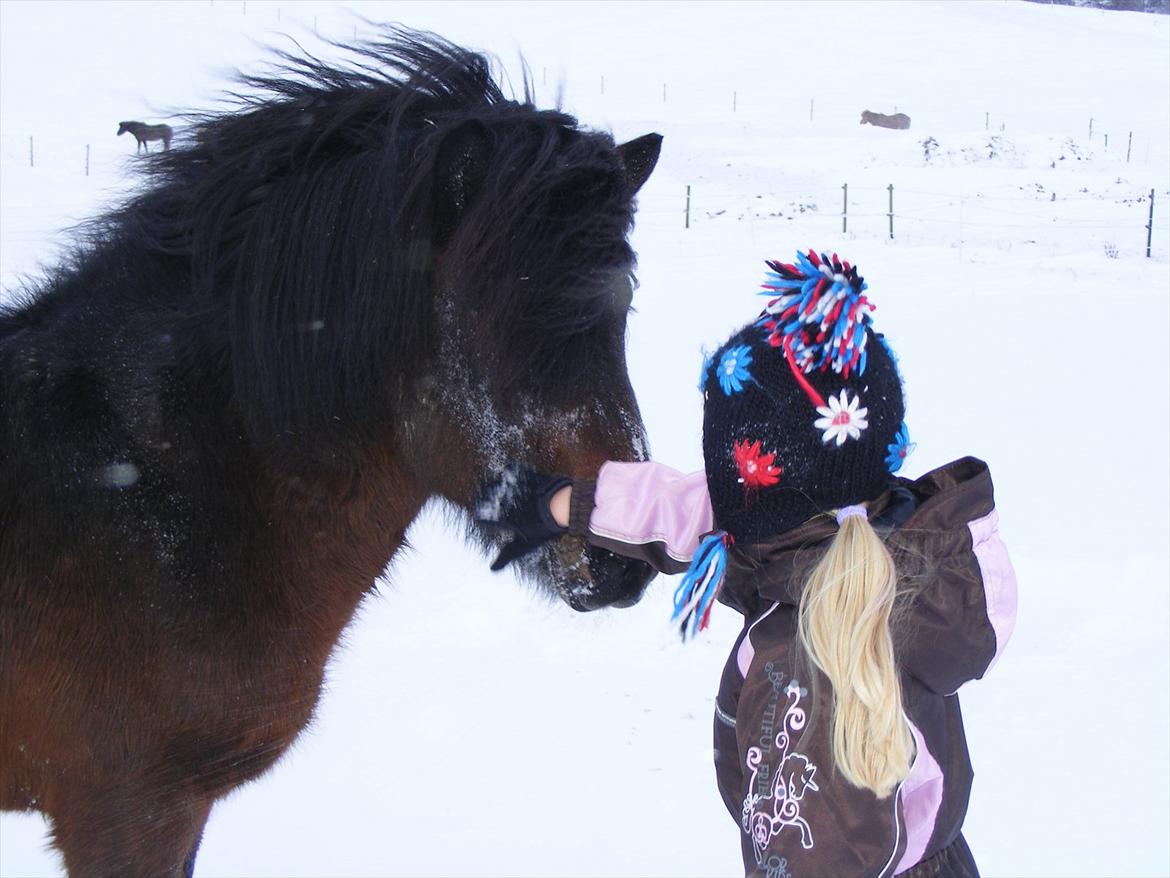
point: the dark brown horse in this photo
(144, 133)
(364, 290)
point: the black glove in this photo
(516, 503)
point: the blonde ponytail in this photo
(845, 630)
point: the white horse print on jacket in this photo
(765, 817)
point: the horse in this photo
(144, 133)
(359, 288)
(899, 120)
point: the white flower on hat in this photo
(842, 418)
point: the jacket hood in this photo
(932, 510)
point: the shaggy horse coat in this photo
(362, 289)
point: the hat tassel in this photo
(695, 595)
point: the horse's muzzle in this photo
(595, 578)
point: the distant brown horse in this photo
(363, 291)
(144, 133)
(898, 120)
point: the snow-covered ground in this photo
(470, 726)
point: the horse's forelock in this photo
(535, 282)
(547, 235)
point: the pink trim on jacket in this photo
(747, 649)
(999, 579)
(650, 503)
(922, 794)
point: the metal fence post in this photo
(891, 211)
(1150, 226)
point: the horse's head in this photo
(534, 283)
(866, 118)
(410, 258)
(509, 239)
(123, 127)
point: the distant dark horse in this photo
(367, 288)
(144, 133)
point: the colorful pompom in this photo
(821, 315)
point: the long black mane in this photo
(325, 220)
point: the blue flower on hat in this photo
(899, 449)
(733, 369)
(708, 362)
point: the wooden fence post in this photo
(844, 208)
(687, 224)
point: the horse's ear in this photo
(460, 169)
(640, 156)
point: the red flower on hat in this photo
(755, 467)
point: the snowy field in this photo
(471, 727)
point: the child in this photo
(868, 599)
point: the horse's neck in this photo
(332, 535)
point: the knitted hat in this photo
(802, 413)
